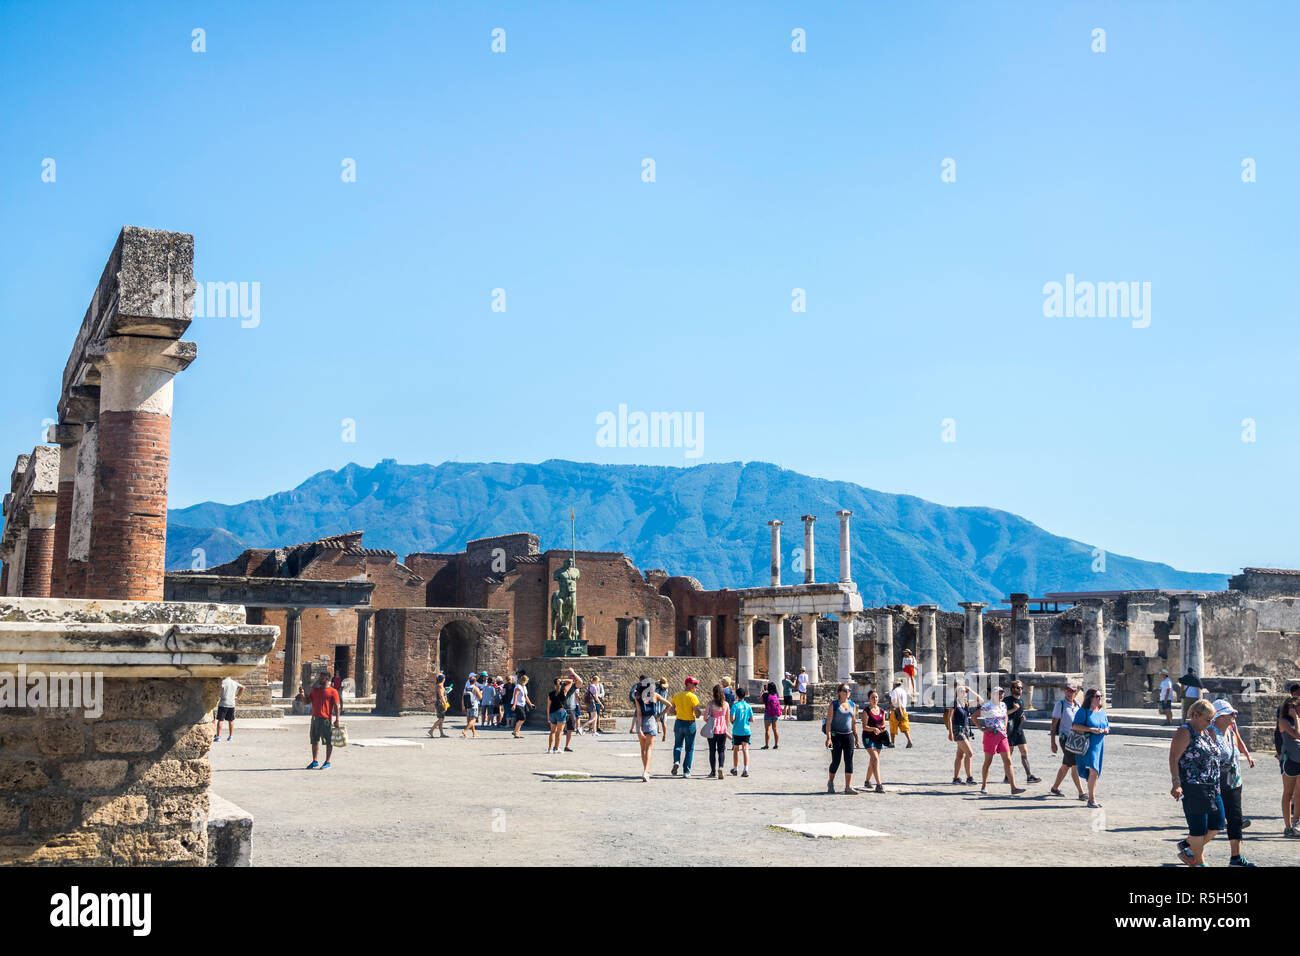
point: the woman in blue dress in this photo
(1092, 720)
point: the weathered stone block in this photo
(94, 774)
(230, 833)
(11, 814)
(126, 810)
(61, 740)
(18, 735)
(121, 738)
(35, 850)
(48, 813)
(18, 775)
(194, 744)
(175, 773)
(146, 700)
(181, 808)
(148, 848)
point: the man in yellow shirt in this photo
(686, 707)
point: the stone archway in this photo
(459, 652)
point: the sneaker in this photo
(325, 765)
(1288, 832)
(830, 787)
(568, 750)
(675, 768)
(1032, 779)
(1245, 825)
(1239, 861)
(984, 791)
(1006, 779)
(764, 747)
(734, 771)
(1185, 854)
(956, 780)
(719, 774)
(315, 766)
(848, 790)
(1016, 790)
(970, 780)
(1056, 793)
(216, 738)
(776, 746)
(1083, 796)
(880, 788)
(745, 772)
(909, 746)
(685, 774)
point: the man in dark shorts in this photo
(1062, 720)
(325, 707)
(787, 695)
(1016, 728)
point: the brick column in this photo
(973, 643)
(19, 562)
(809, 563)
(847, 664)
(365, 643)
(745, 650)
(292, 653)
(68, 437)
(776, 649)
(40, 547)
(808, 647)
(776, 552)
(129, 525)
(703, 635)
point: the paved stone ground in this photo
(407, 806)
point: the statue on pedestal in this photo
(564, 602)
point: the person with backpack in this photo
(472, 696)
(717, 721)
(646, 699)
(771, 714)
(595, 703)
(1063, 712)
(661, 708)
(741, 715)
(840, 726)
(728, 694)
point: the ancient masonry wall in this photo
(129, 788)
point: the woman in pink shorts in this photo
(993, 721)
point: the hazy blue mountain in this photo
(709, 521)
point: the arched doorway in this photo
(458, 654)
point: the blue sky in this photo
(774, 170)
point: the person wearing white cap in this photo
(1224, 729)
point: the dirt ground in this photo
(480, 802)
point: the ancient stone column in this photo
(292, 653)
(927, 655)
(776, 552)
(129, 526)
(809, 577)
(703, 635)
(973, 637)
(845, 576)
(810, 656)
(83, 510)
(68, 437)
(846, 645)
(1094, 646)
(40, 547)
(776, 649)
(643, 637)
(745, 650)
(1193, 645)
(884, 652)
(623, 647)
(365, 650)
(1024, 631)
(19, 563)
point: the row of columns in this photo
(102, 531)
(809, 552)
(633, 636)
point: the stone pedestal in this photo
(123, 780)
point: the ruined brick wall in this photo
(620, 674)
(441, 577)
(610, 588)
(690, 599)
(410, 648)
(129, 788)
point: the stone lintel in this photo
(144, 290)
(277, 593)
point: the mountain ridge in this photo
(708, 521)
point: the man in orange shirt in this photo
(325, 706)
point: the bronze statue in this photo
(564, 602)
